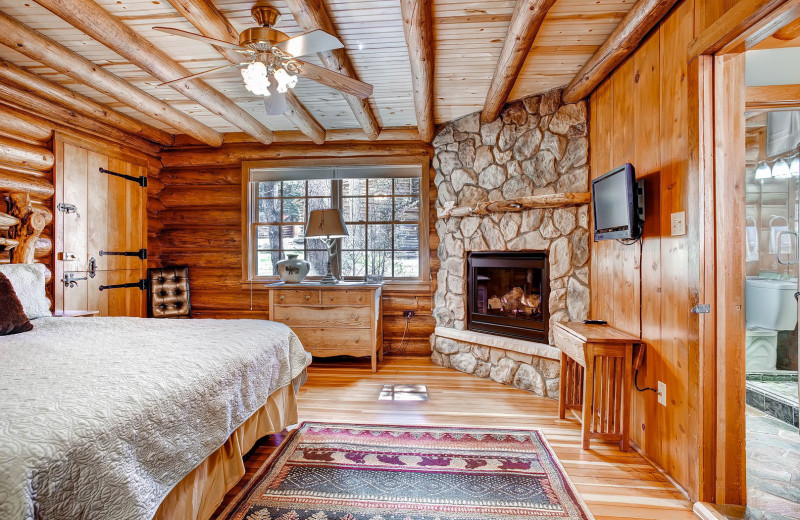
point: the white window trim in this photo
(251, 170)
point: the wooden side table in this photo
(596, 365)
(66, 313)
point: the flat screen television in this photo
(616, 204)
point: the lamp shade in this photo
(325, 223)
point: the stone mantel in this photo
(531, 348)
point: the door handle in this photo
(797, 296)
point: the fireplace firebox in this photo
(508, 294)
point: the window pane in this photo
(318, 261)
(354, 263)
(380, 186)
(294, 210)
(356, 238)
(293, 237)
(264, 263)
(354, 209)
(380, 262)
(409, 186)
(269, 189)
(294, 188)
(267, 237)
(319, 187)
(354, 187)
(406, 264)
(318, 203)
(406, 209)
(406, 237)
(379, 236)
(380, 209)
(269, 210)
(316, 244)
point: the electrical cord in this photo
(402, 348)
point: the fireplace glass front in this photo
(508, 294)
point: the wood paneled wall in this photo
(194, 211)
(643, 114)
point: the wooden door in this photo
(100, 240)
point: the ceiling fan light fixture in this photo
(256, 79)
(285, 80)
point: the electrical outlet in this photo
(408, 313)
(678, 224)
(662, 394)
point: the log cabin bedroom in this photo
(399, 259)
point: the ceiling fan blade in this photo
(199, 37)
(335, 80)
(209, 71)
(310, 43)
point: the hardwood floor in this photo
(615, 485)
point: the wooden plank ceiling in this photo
(468, 38)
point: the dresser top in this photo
(317, 285)
(597, 333)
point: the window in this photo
(380, 205)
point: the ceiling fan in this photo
(270, 66)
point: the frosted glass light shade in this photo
(763, 171)
(780, 170)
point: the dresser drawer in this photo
(336, 342)
(346, 297)
(295, 296)
(306, 316)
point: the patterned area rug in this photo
(366, 472)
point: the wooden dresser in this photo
(332, 320)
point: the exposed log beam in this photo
(418, 26)
(525, 23)
(71, 118)
(642, 17)
(94, 20)
(36, 85)
(17, 153)
(293, 136)
(207, 19)
(772, 97)
(744, 25)
(311, 15)
(38, 47)
(23, 126)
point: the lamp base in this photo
(329, 279)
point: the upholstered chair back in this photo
(169, 292)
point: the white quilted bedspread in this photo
(101, 417)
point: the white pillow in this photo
(28, 282)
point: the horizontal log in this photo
(396, 303)
(201, 196)
(235, 314)
(555, 200)
(154, 225)
(8, 243)
(17, 153)
(24, 126)
(234, 154)
(6, 221)
(154, 206)
(211, 259)
(229, 218)
(418, 327)
(154, 186)
(44, 246)
(206, 239)
(37, 86)
(13, 181)
(153, 249)
(68, 117)
(414, 347)
(236, 298)
(201, 176)
(293, 136)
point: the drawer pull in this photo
(355, 317)
(356, 339)
(359, 297)
(308, 297)
(283, 297)
(331, 298)
(286, 317)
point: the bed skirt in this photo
(198, 495)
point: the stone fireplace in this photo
(508, 294)
(537, 146)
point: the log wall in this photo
(195, 219)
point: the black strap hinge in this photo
(141, 285)
(141, 181)
(142, 253)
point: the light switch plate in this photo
(662, 394)
(678, 226)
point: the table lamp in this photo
(328, 225)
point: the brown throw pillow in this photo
(12, 317)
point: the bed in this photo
(130, 418)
